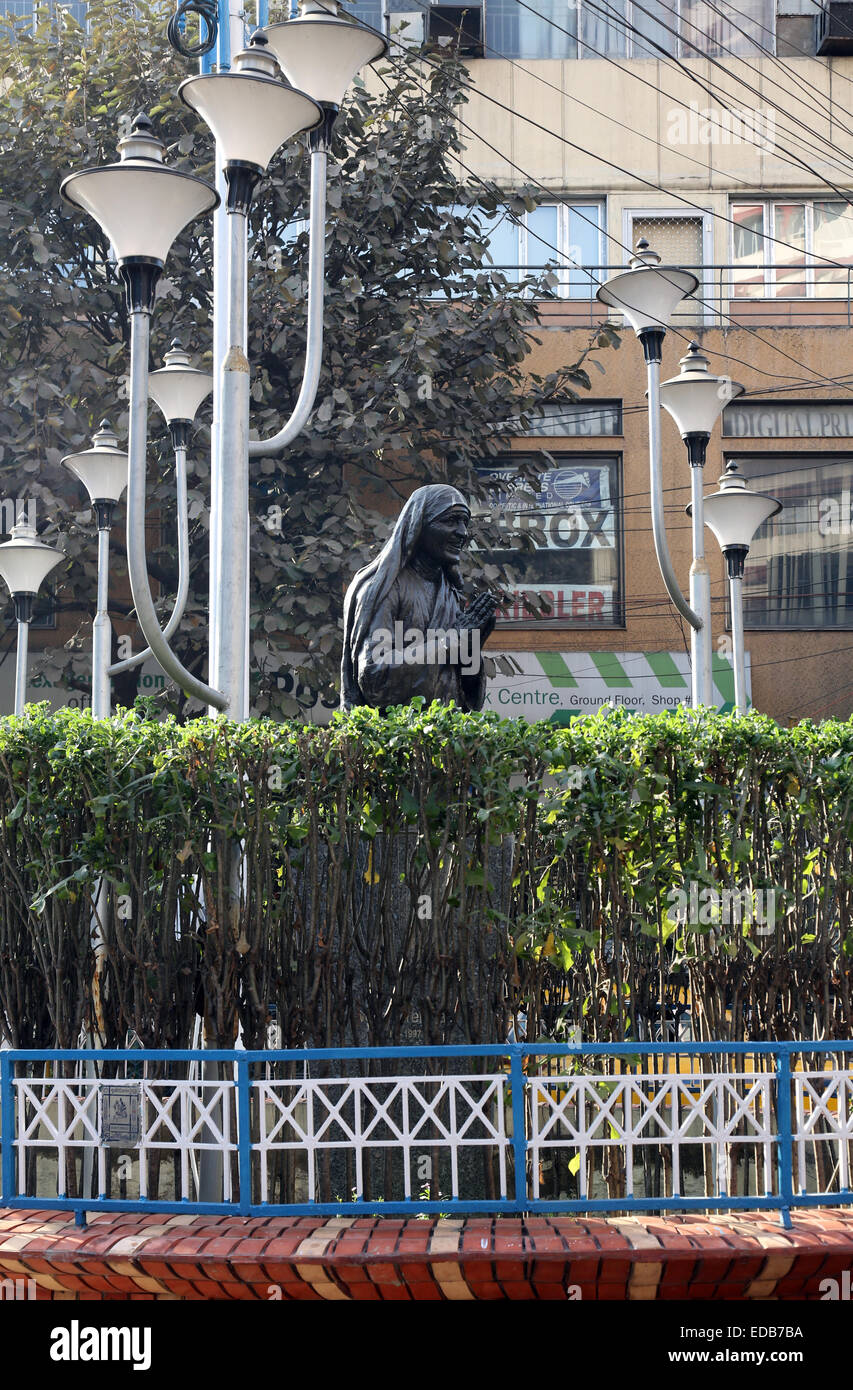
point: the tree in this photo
(425, 366)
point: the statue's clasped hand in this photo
(480, 614)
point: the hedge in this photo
(348, 877)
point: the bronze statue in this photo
(407, 630)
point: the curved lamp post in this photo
(179, 390)
(142, 206)
(319, 52)
(648, 294)
(103, 472)
(734, 514)
(695, 399)
(25, 563)
(291, 78)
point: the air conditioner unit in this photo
(834, 28)
(406, 27)
(457, 24)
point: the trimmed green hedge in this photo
(368, 895)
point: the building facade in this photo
(723, 135)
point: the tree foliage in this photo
(425, 365)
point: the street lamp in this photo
(25, 563)
(251, 113)
(695, 399)
(648, 295)
(142, 206)
(103, 472)
(320, 51)
(734, 514)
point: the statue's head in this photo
(444, 537)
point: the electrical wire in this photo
(701, 52)
(613, 18)
(659, 91)
(695, 297)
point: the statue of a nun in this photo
(407, 630)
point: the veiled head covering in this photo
(370, 586)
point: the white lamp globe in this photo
(249, 109)
(695, 398)
(139, 204)
(177, 388)
(735, 513)
(102, 469)
(321, 51)
(649, 293)
(25, 562)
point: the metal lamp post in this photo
(251, 113)
(695, 399)
(648, 294)
(734, 514)
(142, 205)
(25, 563)
(103, 472)
(179, 390)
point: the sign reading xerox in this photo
(560, 536)
(571, 507)
(560, 685)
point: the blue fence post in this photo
(7, 1129)
(519, 1134)
(244, 1134)
(786, 1135)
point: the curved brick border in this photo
(197, 1257)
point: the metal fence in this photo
(521, 1128)
(728, 294)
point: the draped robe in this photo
(399, 590)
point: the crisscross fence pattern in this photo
(507, 1129)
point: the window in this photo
(791, 248)
(548, 29)
(679, 238)
(459, 25)
(568, 235)
(799, 571)
(570, 571)
(373, 12)
(726, 28)
(37, 11)
(618, 29)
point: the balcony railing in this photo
(767, 295)
(515, 1128)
